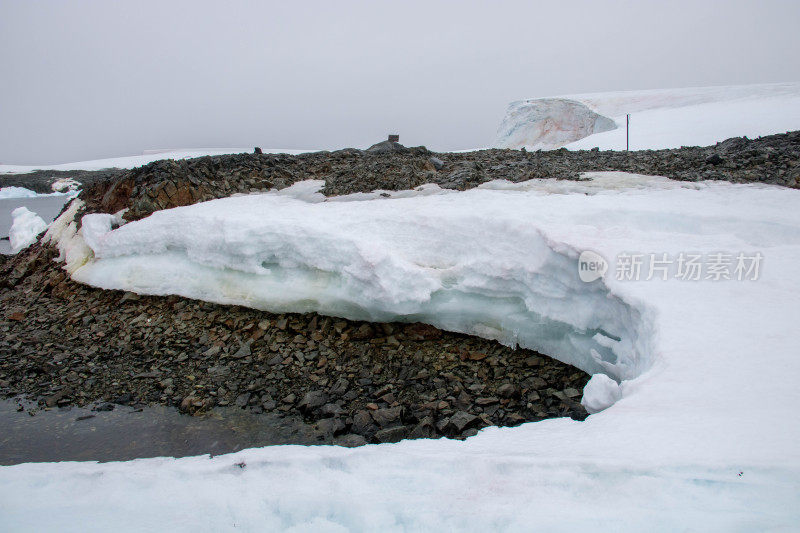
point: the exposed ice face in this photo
(546, 123)
(26, 226)
(427, 255)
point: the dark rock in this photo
(313, 400)
(243, 399)
(424, 429)
(289, 398)
(486, 401)
(147, 375)
(331, 409)
(330, 426)
(219, 373)
(393, 434)
(243, 351)
(386, 147)
(340, 387)
(351, 440)
(123, 399)
(386, 416)
(129, 297)
(362, 422)
(192, 405)
(437, 163)
(508, 390)
(461, 420)
(422, 332)
(364, 332)
(53, 400)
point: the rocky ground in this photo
(65, 344)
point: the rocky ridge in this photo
(773, 159)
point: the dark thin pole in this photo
(627, 132)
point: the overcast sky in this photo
(85, 80)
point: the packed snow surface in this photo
(663, 118)
(25, 227)
(138, 160)
(702, 437)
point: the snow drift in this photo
(430, 258)
(663, 118)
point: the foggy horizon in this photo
(90, 80)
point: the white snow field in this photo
(138, 160)
(703, 435)
(16, 192)
(662, 118)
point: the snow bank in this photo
(26, 226)
(704, 434)
(403, 259)
(664, 118)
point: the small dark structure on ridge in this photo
(390, 145)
